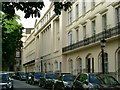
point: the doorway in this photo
(89, 64)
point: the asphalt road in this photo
(22, 85)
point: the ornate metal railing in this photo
(95, 38)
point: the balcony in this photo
(115, 31)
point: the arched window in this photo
(49, 67)
(70, 38)
(79, 65)
(105, 62)
(118, 64)
(56, 65)
(71, 66)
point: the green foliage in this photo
(32, 8)
(11, 30)
(61, 6)
(11, 40)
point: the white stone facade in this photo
(70, 42)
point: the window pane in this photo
(79, 65)
(71, 66)
(93, 28)
(104, 22)
(93, 3)
(118, 14)
(77, 10)
(84, 7)
(70, 38)
(84, 32)
(106, 62)
(77, 35)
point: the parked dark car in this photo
(64, 82)
(12, 75)
(47, 80)
(36, 77)
(6, 82)
(90, 81)
(110, 82)
(20, 75)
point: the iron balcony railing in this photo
(95, 38)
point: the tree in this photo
(32, 8)
(11, 30)
(11, 40)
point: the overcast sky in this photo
(29, 22)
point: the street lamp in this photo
(103, 43)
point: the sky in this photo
(29, 22)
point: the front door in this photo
(89, 65)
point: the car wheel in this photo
(12, 87)
(30, 82)
(45, 86)
(19, 78)
(33, 83)
(59, 87)
(26, 81)
(53, 87)
(39, 84)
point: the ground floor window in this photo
(79, 65)
(105, 62)
(71, 66)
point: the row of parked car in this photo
(51, 80)
(63, 81)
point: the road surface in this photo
(22, 85)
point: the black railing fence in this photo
(95, 38)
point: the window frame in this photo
(77, 10)
(104, 21)
(117, 14)
(93, 27)
(84, 7)
(84, 32)
(70, 38)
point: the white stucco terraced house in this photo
(71, 43)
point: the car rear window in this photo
(109, 80)
(4, 77)
(94, 79)
(51, 76)
(38, 75)
(68, 78)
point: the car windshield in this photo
(22, 73)
(4, 77)
(94, 79)
(109, 80)
(51, 76)
(68, 78)
(38, 75)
